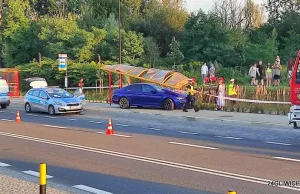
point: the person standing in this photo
(260, 74)
(277, 69)
(212, 70)
(221, 94)
(232, 91)
(190, 96)
(80, 85)
(253, 71)
(269, 74)
(204, 71)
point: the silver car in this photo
(52, 100)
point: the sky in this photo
(205, 5)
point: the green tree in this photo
(151, 54)
(19, 34)
(132, 46)
(62, 35)
(175, 56)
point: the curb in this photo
(249, 123)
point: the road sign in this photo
(62, 62)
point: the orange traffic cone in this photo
(18, 117)
(110, 130)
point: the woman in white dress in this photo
(221, 94)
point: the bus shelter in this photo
(12, 77)
(165, 78)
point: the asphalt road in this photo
(140, 163)
(166, 154)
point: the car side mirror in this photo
(153, 91)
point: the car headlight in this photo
(180, 98)
(60, 103)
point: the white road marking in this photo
(186, 132)
(53, 126)
(155, 129)
(151, 160)
(271, 142)
(119, 135)
(32, 115)
(36, 174)
(192, 145)
(237, 138)
(12, 113)
(90, 189)
(6, 120)
(289, 159)
(1, 111)
(72, 119)
(122, 125)
(50, 117)
(4, 164)
(96, 122)
(122, 135)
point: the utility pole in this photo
(120, 49)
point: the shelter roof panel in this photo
(176, 78)
(137, 71)
(161, 75)
(150, 73)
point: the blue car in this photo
(148, 95)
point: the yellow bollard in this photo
(231, 192)
(43, 178)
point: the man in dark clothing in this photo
(260, 76)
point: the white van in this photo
(4, 97)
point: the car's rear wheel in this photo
(27, 108)
(4, 106)
(168, 104)
(124, 103)
(51, 110)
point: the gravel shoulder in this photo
(13, 182)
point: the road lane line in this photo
(32, 115)
(7, 120)
(119, 135)
(90, 189)
(276, 143)
(289, 159)
(50, 117)
(97, 122)
(121, 125)
(186, 132)
(36, 174)
(192, 145)
(156, 129)
(12, 113)
(225, 137)
(72, 119)
(4, 164)
(150, 160)
(122, 135)
(2, 111)
(53, 126)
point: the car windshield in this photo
(58, 93)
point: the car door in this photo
(134, 94)
(43, 101)
(34, 100)
(151, 97)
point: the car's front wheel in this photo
(168, 104)
(124, 103)
(51, 110)
(4, 106)
(27, 108)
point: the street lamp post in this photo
(120, 44)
